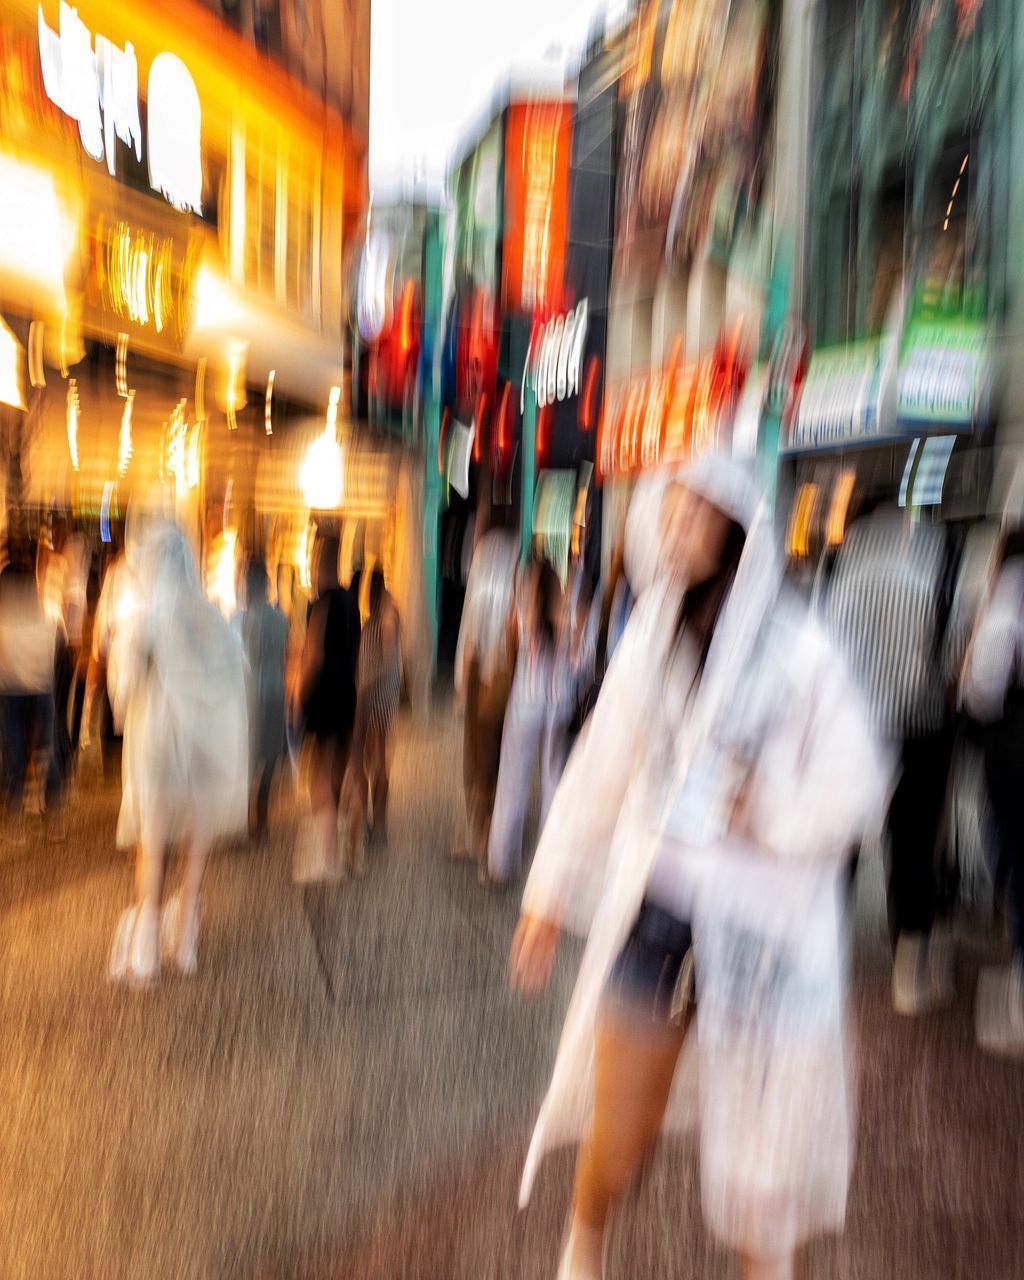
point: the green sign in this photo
(943, 371)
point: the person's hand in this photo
(532, 955)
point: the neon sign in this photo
(99, 88)
(555, 360)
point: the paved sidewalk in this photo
(346, 1089)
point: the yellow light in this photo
(176, 443)
(841, 497)
(10, 369)
(192, 456)
(124, 442)
(201, 389)
(36, 373)
(268, 422)
(236, 382)
(800, 525)
(222, 581)
(321, 474)
(36, 238)
(73, 412)
(121, 365)
(304, 557)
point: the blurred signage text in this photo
(98, 87)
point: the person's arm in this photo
(569, 867)
(821, 777)
(996, 648)
(312, 661)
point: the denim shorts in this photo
(654, 969)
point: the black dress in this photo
(331, 705)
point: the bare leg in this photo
(787, 1267)
(635, 1063)
(150, 863)
(377, 763)
(324, 793)
(186, 944)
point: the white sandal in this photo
(179, 949)
(135, 955)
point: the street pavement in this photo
(346, 1089)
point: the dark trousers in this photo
(915, 818)
(1007, 805)
(27, 722)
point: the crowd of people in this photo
(196, 711)
(714, 744)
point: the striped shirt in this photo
(888, 603)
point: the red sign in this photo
(675, 414)
(538, 141)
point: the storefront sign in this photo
(99, 88)
(840, 396)
(677, 413)
(537, 155)
(943, 374)
(554, 362)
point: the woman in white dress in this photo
(697, 840)
(177, 683)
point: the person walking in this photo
(264, 632)
(380, 687)
(328, 699)
(889, 610)
(28, 646)
(540, 708)
(993, 694)
(483, 675)
(697, 840)
(177, 686)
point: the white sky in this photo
(434, 65)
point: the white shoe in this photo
(942, 967)
(922, 973)
(120, 951)
(178, 947)
(135, 953)
(999, 1011)
(584, 1253)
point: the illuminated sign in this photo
(537, 148)
(99, 88)
(555, 360)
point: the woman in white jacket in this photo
(698, 838)
(177, 682)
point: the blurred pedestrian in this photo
(697, 838)
(28, 644)
(380, 687)
(328, 699)
(115, 604)
(993, 693)
(540, 709)
(177, 685)
(483, 677)
(264, 632)
(889, 611)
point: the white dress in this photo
(177, 678)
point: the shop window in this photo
(882, 280)
(300, 248)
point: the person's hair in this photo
(21, 557)
(328, 549)
(377, 590)
(256, 583)
(548, 598)
(701, 605)
(1012, 545)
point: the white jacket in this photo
(775, 1082)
